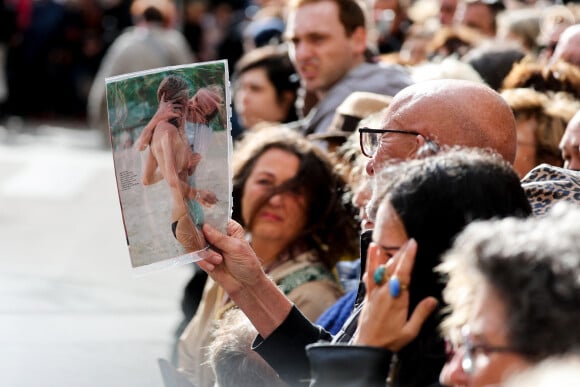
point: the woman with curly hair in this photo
(514, 291)
(285, 195)
(541, 119)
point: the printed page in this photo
(171, 140)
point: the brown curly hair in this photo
(551, 113)
(330, 227)
(558, 77)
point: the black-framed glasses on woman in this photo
(471, 352)
(370, 140)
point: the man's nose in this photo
(302, 51)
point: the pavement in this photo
(72, 310)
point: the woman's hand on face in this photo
(167, 110)
(384, 319)
(231, 262)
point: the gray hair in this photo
(231, 356)
(534, 266)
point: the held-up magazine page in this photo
(170, 134)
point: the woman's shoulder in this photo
(315, 297)
(314, 272)
(308, 283)
(302, 268)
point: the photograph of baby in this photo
(171, 143)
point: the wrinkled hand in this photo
(384, 320)
(231, 262)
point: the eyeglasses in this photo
(370, 140)
(471, 351)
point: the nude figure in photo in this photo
(171, 158)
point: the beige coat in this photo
(306, 283)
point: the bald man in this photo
(568, 47)
(442, 112)
(445, 112)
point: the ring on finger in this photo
(379, 275)
(396, 287)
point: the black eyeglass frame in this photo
(470, 349)
(361, 132)
(431, 147)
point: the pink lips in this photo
(270, 216)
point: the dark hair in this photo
(350, 13)
(533, 265)
(435, 198)
(558, 76)
(279, 70)
(494, 62)
(330, 227)
(173, 88)
(152, 14)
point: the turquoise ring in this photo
(379, 275)
(395, 286)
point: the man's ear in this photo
(420, 141)
(359, 40)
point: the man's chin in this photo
(311, 84)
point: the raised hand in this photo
(231, 261)
(165, 112)
(384, 320)
(168, 110)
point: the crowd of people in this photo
(483, 127)
(406, 181)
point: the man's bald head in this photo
(568, 48)
(448, 112)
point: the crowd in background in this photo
(51, 51)
(349, 117)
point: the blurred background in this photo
(72, 310)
